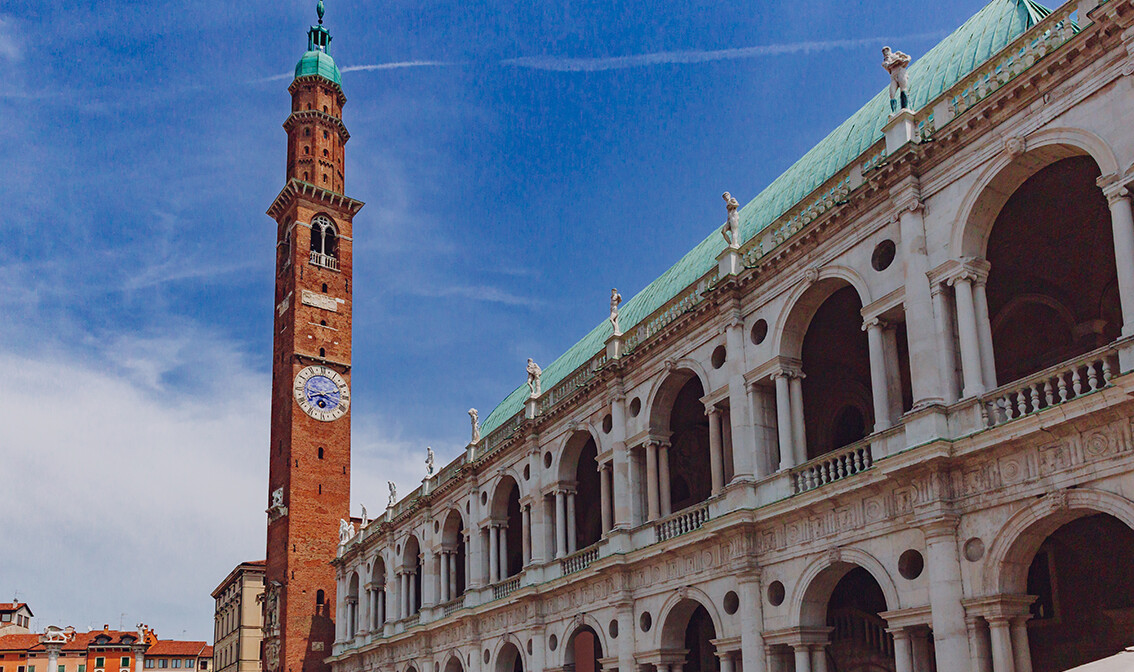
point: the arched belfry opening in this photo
(506, 534)
(1052, 279)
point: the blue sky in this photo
(524, 159)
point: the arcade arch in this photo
(687, 637)
(409, 576)
(377, 590)
(684, 457)
(579, 480)
(453, 558)
(583, 652)
(509, 658)
(506, 533)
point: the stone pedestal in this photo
(615, 346)
(900, 130)
(729, 262)
(531, 408)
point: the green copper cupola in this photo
(317, 60)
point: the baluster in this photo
(867, 458)
(1007, 407)
(985, 420)
(1062, 378)
(1092, 376)
(1022, 401)
(843, 467)
(1076, 381)
(1048, 393)
(1106, 372)
(1035, 397)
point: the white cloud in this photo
(561, 64)
(10, 47)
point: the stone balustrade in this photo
(505, 588)
(682, 522)
(324, 260)
(831, 467)
(1050, 387)
(579, 560)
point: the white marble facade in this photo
(943, 505)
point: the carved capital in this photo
(874, 323)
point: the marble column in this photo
(445, 577)
(903, 655)
(504, 551)
(726, 662)
(493, 553)
(819, 658)
(652, 502)
(1002, 658)
(762, 450)
(716, 450)
(560, 523)
(453, 575)
(605, 498)
(1122, 225)
(624, 481)
(945, 594)
(798, 427)
(526, 542)
(943, 313)
(572, 524)
(803, 658)
(751, 624)
(971, 365)
(665, 501)
(413, 598)
(984, 333)
(783, 420)
(879, 384)
(1021, 649)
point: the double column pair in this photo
(448, 560)
(407, 592)
(658, 504)
(565, 539)
(497, 551)
(998, 633)
(377, 606)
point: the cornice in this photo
(297, 189)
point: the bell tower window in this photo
(324, 243)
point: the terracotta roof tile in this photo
(176, 648)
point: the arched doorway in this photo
(508, 659)
(579, 474)
(1084, 606)
(452, 558)
(507, 535)
(1052, 281)
(454, 664)
(584, 651)
(859, 641)
(689, 630)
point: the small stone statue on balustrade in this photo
(896, 63)
(615, 301)
(731, 228)
(429, 462)
(393, 494)
(475, 418)
(534, 373)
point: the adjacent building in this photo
(238, 622)
(106, 650)
(886, 426)
(15, 618)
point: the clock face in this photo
(322, 393)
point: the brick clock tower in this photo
(309, 475)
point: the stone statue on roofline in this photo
(393, 494)
(346, 531)
(365, 519)
(429, 461)
(475, 418)
(896, 63)
(615, 301)
(731, 228)
(534, 373)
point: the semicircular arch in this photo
(1015, 544)
(665, 389)
(1004, 174)
(805, 299)
(675, 614)
(813, 590)
(576, 626)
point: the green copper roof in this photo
(980, 38)
(318, 63)
(317, 60)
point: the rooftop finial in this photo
(320, 10)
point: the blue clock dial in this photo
(322, 393)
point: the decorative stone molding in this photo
(1015, 146)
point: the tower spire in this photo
(320, 10)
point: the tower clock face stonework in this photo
(309, 463)
(322, 393)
